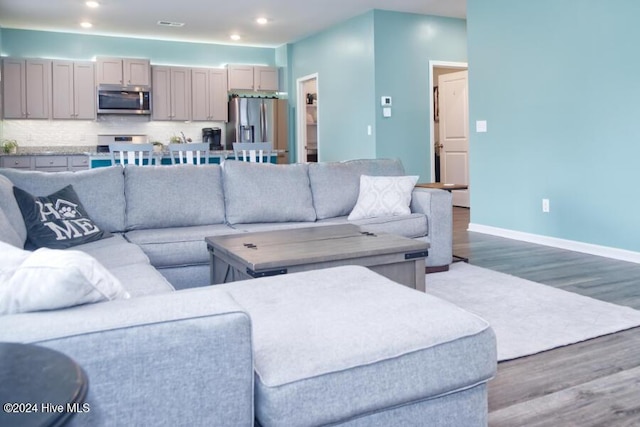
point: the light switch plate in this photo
(481, 126)
(386, 112)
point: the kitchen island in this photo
(97, 160)
(72, 158)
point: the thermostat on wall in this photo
(385, 101)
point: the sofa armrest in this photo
(180, 358)
(436, 205)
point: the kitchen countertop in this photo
(52, 150)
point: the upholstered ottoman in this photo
(348, 346)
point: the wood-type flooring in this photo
(589, 384)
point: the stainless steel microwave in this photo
(116, 99)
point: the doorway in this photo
(307, 123)
(449, 126)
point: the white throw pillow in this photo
(383, 196)
(48, 279)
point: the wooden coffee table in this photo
(259, 254)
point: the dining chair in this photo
(255, 152)
(191, 153)
(138, 154)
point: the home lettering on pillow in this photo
(64, 220)
(57, 221)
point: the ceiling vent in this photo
(171, 24)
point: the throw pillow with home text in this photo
(58, 220)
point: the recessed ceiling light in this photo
(92, 3)
(235, 37)
(262, 21)
(86, 24)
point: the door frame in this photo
(432, 133)
(301, 117)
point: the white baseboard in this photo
(571, 245)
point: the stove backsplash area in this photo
(35, 133)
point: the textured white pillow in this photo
(383, 196)
(49, 279)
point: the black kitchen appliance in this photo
(213, 137)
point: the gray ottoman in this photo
(348, 346)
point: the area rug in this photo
(528, 317)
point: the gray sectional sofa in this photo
(337, 346)
(167, 211)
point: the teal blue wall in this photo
(375, 54)
(44, 44)
(557, 82)
(404, 45)
(343, 58)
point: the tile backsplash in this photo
(34, 133)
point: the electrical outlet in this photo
(545, 205)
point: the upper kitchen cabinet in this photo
(27, 88)
(74, 94)
(171, 93)
(209, 94)
(123, 71)
(252, 77)
(265, 78)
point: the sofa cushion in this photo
(141, 279)
(8, 234)
(49, 279)
(383, 196)
(313, 346)
(101, 190)
(173, 196)
(177, 246)
(269, 226)
(11, 209)
(412, 226)
(57, 221)
(114, 252)
(335, 185)
(264, 192)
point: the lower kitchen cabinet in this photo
(46, 163)
(16, 162)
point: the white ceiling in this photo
(207, 21)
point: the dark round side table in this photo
(39, 386)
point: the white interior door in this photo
(454, 132)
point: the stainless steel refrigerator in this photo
(251, 119)
(258, 119)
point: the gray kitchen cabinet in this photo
(50, 163)
(171, 97)
(46, 163)
(16, 162)
(265, 78)
(123, 71)
(209, 94)
(252, 77)
(78, 162)
(74, 94)
(27, 88)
